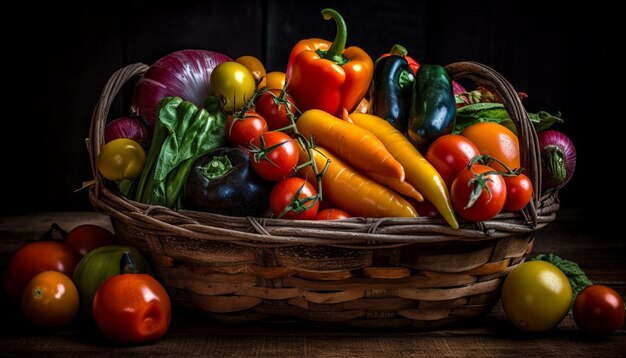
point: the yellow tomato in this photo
(50, 299)
(121, 158)
(536, 295)
(275, 80)
(233, 83)
(256, 68)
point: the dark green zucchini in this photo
(390, 90)
(433, 109)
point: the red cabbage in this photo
(185, 74)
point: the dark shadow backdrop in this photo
(64, 54)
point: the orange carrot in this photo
(350, 142)
(419, 172)
(401, 187)
(353, 192)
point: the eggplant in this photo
(390, 90)
(222, 181)
(433, 108)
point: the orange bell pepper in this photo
(326, 76)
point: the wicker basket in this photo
(390, 272)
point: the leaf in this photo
(177, 124)
(479, 112)
(544, 120)
(496, 112)
(167, 109)
(126, 187)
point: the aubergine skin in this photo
(433, 109)
(239, 192)
(388, 99)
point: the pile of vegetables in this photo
(380, 138)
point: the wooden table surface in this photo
(602, 256)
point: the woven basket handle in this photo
(530, 155)
(101, 112)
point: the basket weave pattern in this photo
(389, 272)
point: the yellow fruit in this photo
(536, 295)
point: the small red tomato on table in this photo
(132, 308)
(87, 237)
(598, 310)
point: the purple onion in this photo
(185, 74)
(558, 158)
(128, 127)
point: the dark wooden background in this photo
(62, 55)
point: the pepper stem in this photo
(398, 50)
(555, 163)
(217, 167)
(335, 51)
(127, 264)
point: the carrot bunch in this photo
(373, 167)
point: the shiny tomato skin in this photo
(283, 193)
(256, 67)
(598, 310)
(274, 111)
(536, 295)
(279, 162)
(50, 300)
(485, 207)
(233, 83)
(275, 80)
(497, 141)
(132, 308)
(241, 131)
(519, 191)
(332, 214)
(449, 154)
(86, 237)
(36, 257)
(121, 158)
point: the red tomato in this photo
(519, 191)
(87, 237)
(282, 196)
(598, 310)
(450, 154)
(332, 214)
(241, 131)
(132, 308)
(50, 300)
(275, 155)
(274, 109)
(486, 206)
(36, 257)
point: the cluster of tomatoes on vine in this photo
(265, 127)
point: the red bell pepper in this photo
(328, 76)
